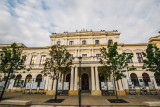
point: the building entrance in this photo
(85, 82)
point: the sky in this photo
(32, 21)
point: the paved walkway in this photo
(38, 100)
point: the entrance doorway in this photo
(85, 82)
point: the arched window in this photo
(157, 78)
(39, 79)
(110, 42)
(17, 81)
(146, 78)
(68, 77)
(28, 78)
(134, 79)
(84, 42)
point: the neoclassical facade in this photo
(86, 44)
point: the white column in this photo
(38, 60)
(93, 78)
(46, 82)
(72, 77)
(54, 84)
(28, 60)
(76, 55)
(120, 85)
(153, 79)
(49, 84)
(97, 78)
(75, 79)
(92, 52)
(78, 52)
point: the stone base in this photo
(96, 92)
(15, 103)
(70, 92)
(51, 93)
(121, 92)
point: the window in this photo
(71, 55)
(28, 79)
(96, 42)
(43, 58)
(98, 55)
(33, 60)
(84, 55)
(139, 57)
(157, 78)
(39, 79)
(134, 79)
(128, 59)
(71, 43)
(110, 42)
(84, 42)
(58, 43)
(18, 81)
(146, 78)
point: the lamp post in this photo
(80, 59)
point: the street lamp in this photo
(80, 59)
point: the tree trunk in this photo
(5, 85)
(56, 87)
(115, 84)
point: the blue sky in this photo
(32, 21)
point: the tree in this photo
(10, 61)
(105, 71)
(116, 62)
(60, 60)
(152, 61)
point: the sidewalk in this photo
(38, 100)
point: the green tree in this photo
(10, 61)
(116, 62)
(60, 60)
(152, 59)
(105, 71)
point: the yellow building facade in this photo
(86, 44)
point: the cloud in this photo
(31, 22)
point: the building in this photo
(86, 44)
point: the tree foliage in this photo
(59, 61)
(11, 59)
(152, 59)
(115, 61)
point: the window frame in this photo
(33, 60)
(71, 43)
(134, 79)
(97, 42)
(110, 42)
(84, 55)
(139, 57)
(58, 43)
(128, 60)
(98, 55)
(84, 42)
(42, 61)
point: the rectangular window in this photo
(33, 60)
(71, 55)
(98, 55)
(58, 43)
(84, 55)
(71, 43)
(128, 59)
(139, 57)
(43, 59)
(96, 42)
